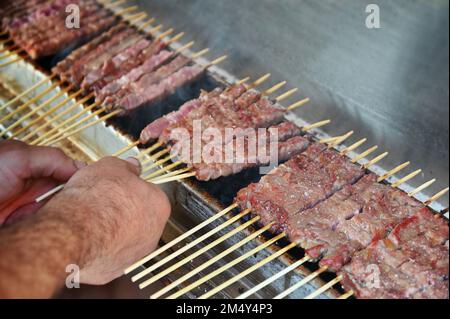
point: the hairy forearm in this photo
(34, 255)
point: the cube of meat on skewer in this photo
(310, 177)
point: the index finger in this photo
(42, 162)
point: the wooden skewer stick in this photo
(356, 159)
(406, 178)
(40, 107)
(189, 246)
(136, 17)
(146, 24)
(60, 187)
(5, 41)
(10, 50)
(35, 110)
(216, 61)
(156, 164)
(174, 178)
(114, 4)
(298, 104)
(421, 188)
(184, 47)
(50, 193)
(244, 80)
(437, 196)
(328, 139)
(393, 172)
(110, 3)
(354, 146)
(155, 29)
(65, 130)
(163, 170)
(10, 62)
(165, 34)
(375, 160)
(28, 103)
(248, 271)
(60, 128)
(7, 55)
(226, 267)
(28, 91)
(316, 125)
(324, 288)
(175, 38)
(180, 239)
(59, 116)
(301, 283)
(149, 150)
(210, 262)
(47, 113)
(100, 120)
(125, 149)
(346, 295)
(200, 53)
(259, 81)
(274, 278)
(126, 10)
(340, 139)
(13, 47)
(9, 47)
(156, 156)
(198, 253)
(274, 88)
(168, 175)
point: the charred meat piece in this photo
(310, 177)
(152, 59)
(253, 154)
(42, 12)
(18, 9)
(412, 262)
(218, 112)
(350, 220)
(158, 91)
(55, 44)
(155, 129)
(42, 31)
(133, 92)
(85, 50)
(230, 110)
(315, 228)
(54, 24)
(76, 73)
(154, 86)
(114, 63)
(40, 28)
(188, 112)
(153, 54)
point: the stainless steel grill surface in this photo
(389, 84)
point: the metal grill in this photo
(229, 255)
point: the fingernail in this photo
(80, 164)
(134, 161)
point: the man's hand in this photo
(118, 217)
(105, 218)
(27, 172)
